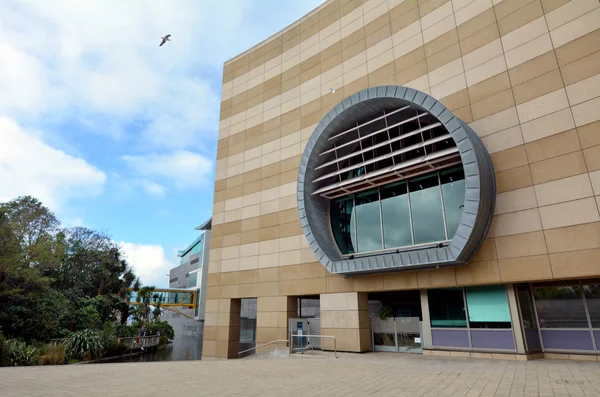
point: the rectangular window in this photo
(488, 307)
(447, 308)
(396, 215)
(248, 320)
(453, 191)
(368, 221)
(192, 280)
(560, 306)
(426, 207)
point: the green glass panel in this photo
(192, 280)
(368, 220)
(342, 224)
(396, 215)
(487, 304)
(426, 207)
(453, 191)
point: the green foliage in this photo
(54, 355)
(86, 345)
(54, 281)
(166, 331)
(126, 331)
(87, 317)
(385, 312)
(19, 354)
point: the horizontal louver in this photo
(386, 148)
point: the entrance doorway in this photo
(307, 322)
(396, 321)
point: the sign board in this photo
(417, 340)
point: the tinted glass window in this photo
(342, 224)
(426, 208)
(447, 308)
(560, 307)
(488, 307)
(368, 221)
(453, 191)
(396, 215)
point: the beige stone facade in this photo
(525, 75)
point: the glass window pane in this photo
(426, 206)
(396, 215)
(453, 190)
(368, 220)
(488, 307)
(248, 320)
(447, 308)
(592, 297)
(342, 224)
(192, 280)
(526, 306)
(560, 307)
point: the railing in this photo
(317, 336)
(129, 342)
(263, 345)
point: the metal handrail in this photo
(319, 336)
(263, 345)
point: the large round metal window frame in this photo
(478, 209)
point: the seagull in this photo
(332, 90)
(165, 39)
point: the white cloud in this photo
(149, 262)
(184, 168)
(29, 166)
(154, 189)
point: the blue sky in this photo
(112, 131)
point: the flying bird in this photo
(165, 39)
(332, 90)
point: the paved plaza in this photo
(378, 374)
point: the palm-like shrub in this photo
(86, 344)
(18, 353)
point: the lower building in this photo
(422, 172)
(190, 275)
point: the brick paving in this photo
(378, 374)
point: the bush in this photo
(166, 331)
(19, 354)
(86, 345)
(108, 335)
(54, 355)
(126, 331)
(2, 359)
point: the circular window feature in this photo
(391, 180)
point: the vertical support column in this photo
(221, 328)
(272, 318)
(346, 317)
(426, 338)
(515, 319)
(211, 329)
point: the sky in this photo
(113, 132)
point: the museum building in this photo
(412, 176)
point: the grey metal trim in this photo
(480, 188)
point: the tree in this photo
(55, 281)
(145, 297)
(35, 228)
